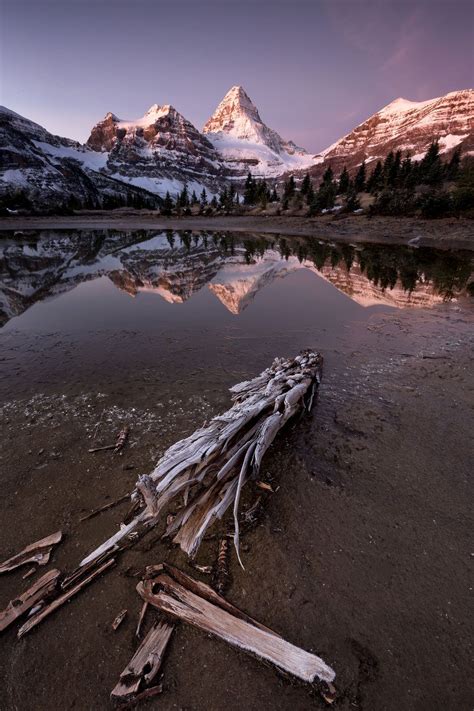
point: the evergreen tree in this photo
(274, 196)
(249, 190)
(344, 181)
(305, 184)
(328, 176)
(452, 168)
(394, 171)
(183, 200)
(167, 207)
(288, 190)
(214, 202)
(194, 198)
(203, 198)
(431, 166)
(359, 182)
(310, 194)
(375, 181)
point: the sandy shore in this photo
(445, 233)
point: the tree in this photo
(452, 168)
(167, 207)
(328, 176)
(249, 190)
(305, 184)
(183, 200)
(431, 167)
(274, 196)
(359, 182)
(194, 198)
(375, 181)
(203, 198)
(288, 189)
(344, 181)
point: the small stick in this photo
(147, 694)
(95, 512)
(101, 449)
(119, 619)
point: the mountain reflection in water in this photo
(175, 265)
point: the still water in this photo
(103, 302)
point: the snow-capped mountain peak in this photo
(237, 131)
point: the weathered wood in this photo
(212, 465)
(119, 619)
(48, 609)
(199, 588)
(105, 507)
(38, 552)
(184, 605)
(141, 619)
(145, 663)
(43, 587)
(147, 694)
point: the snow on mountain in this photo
(51, 171)
(409, 126)
(238, 133)
(160, 151)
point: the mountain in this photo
(245, 143)
(408, 126)
(54, 172)
(160, 151)
(130, 162)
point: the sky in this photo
(314, 68)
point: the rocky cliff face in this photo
(244, 141)
(408, 126)
(54, 172)
(159, 151)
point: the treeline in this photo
(399, 186)
(23, 201)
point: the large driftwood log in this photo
(211, 466)
(178, 601)
(38, 552)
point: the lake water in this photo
(100, 304)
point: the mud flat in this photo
(361, 551)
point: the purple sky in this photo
(314, 68)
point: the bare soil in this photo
(362, 555)
(444, 233)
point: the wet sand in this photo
(445, 233)
(361, 555)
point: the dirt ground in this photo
(361, 555)
(444, 233)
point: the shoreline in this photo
(446, 233)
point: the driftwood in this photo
(39, 552)
(141, 618)
(145, 663)
(41, 589)
(96, 512)
(211, 466)
(119, 443)
(184, 603)
(119, 619)
(48, 609)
